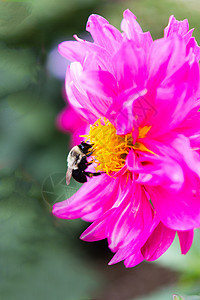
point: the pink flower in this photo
(141, 98)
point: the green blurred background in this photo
(42, 257)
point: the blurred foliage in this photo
(41, 256)
(176, 297)
(37, 260)
(187, 265)
(153, 15)
(166, 294)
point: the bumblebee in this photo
(77, 163)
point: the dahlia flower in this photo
(141, 98)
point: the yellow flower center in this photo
(109, 149)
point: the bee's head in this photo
(84, 147)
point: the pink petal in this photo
(77, 96)
(158, 242)
(108, 206)
(131, 161)
(98, 229)
(68, 120)
(146, 40)
(190, 127)
(181, 28)
(179, 210)
(79, 50)
(93, 215)
(192, 160)
(104, 34)
(192, 44)
(175, 99)
(135, 229)
(76, 137)
(166, 56)
(130, 66)
(136, 243)
(101, 87)
(72, 50)
(130, 111)
(101, 83)
(175, 27)
(87, 199)
(133, 260)
(185, 239)
(130, 24)
(134, 32)
(122, 221)
(131, 27)
(123, 118)
(130, 218)
(160, 170)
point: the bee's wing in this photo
(68, 176)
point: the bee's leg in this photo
(90, 153)
(90, 174)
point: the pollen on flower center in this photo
(109, 149)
